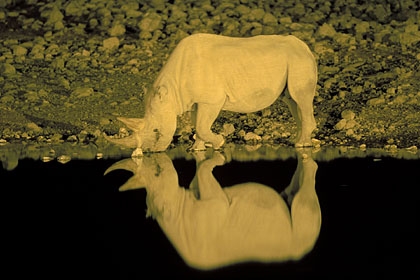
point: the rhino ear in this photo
(134, 124)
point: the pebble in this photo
(251, 136)
(117, 30)
(256, 14)
(54, 16)
(228, 129)
(82, 92)
(150, 22)
(19, 50)
(412, 148)
(375, 101)
(111, 43)
(326, 30)
(348, 114)
(341, 124)
(34, 127)
(269, 19)
(7, 69)
(63, 159)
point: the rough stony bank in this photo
(69, 68)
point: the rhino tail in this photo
(135, 124)
(129, 142)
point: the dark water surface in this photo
(69, 220)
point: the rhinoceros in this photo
(211, 226)
(208, 73)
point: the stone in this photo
(54, 16)
(350, 124)
(348, 114)
(34, 127)
(7, 69)
(74, 8)
(256, 14)
(158, 4)
(111, 43)
(243, 10)
(298, 10)
(251, 136)
(150, 22)
(326, 30)
(228, 129)
(269, 19)
(362, 27)
(19, 50)
(380, 13)
(82, 92)
(117, 30)
(375, 101)
(341, 124)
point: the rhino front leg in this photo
(205, 115)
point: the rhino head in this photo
(155, 131)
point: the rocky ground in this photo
(69, 68)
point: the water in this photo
(346, 213)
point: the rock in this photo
(298, 10)
(256, 14)
(63, 159)
(375, 101)
(380, 13)
(348, 114)
(74, 8)
(243, 10)
(350, 124)
(361, 28)
(7, 69)
(357, 90)
(341, 124)
(269, 19)
(315, 142)
(19, 50)
(58, 63)
(158, 4)
(251, 136)
(34, 127)
(228, 129)
(150, 22)
(117, 30)
(285, 20)
(177, 15)
(54, 16)
(412, 149)
(111, 43)
(326, 30)
(82, 92)
(400, 99)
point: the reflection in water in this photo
(211, 226)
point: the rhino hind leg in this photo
(301, 85)
(204, 117)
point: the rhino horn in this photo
(125, 164)
(135, 182)
(129, 142)
(134, 124)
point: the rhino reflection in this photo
(211, 226)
